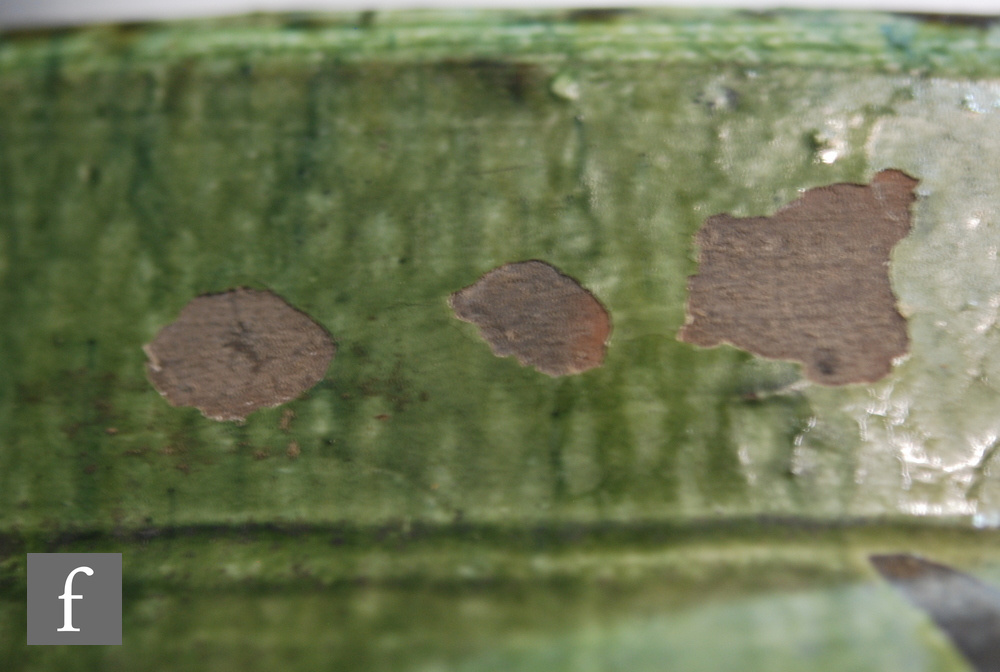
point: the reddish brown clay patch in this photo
(232, 353)
(810, 283)
(543, 318)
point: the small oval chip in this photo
(543, 318)
(232, 353)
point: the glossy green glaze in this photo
(365, 167)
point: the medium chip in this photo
(543, 318)
(810, 283)
(232, 353)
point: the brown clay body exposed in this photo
(809, 283)
(543, 318)
(232, 353)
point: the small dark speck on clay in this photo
(809, 283)
(232, 353)
(543, 318)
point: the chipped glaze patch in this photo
(809, 283)
(543, 318)
(233, 353)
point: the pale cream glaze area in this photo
(929, 432)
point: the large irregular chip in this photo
(967, 610)
(232, 353)
(810, 283)
(532, 311)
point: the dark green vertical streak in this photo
(84, 399)
(91, 463)
(305, 169)
(285, 209)
(236, 476)
(134, 126)
(559, 418)
(614, 453)
(9, 298)
(51, 79)
(613, 456)
(678, 366)
(459, 182)
(143, 193)
(341, 182)
(453, 176)
(30, 237)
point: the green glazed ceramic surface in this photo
(447, 509)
